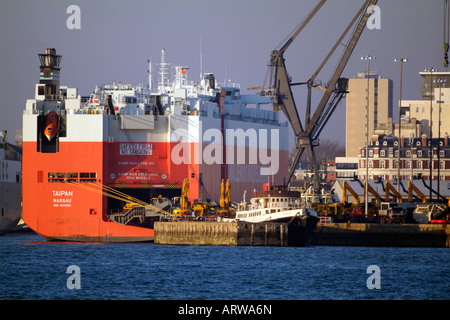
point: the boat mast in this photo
(163, 70)
(149, 71)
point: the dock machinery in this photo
(307, 134)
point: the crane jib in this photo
(307, 137)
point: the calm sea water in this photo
(33, 269)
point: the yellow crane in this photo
(225, 197)
(411, 188)
(185, 207)
(389, 187)
(346, 187)
(374, 193)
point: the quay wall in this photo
(200, 233)
(385, 235)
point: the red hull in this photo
(64, 211)
(59, 210)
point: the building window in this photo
(418, 143)
(395, 164)
(419, 165)
(370, 153)
(382, 153)
(419, 153)
(385, 143)
(370, 163)
(441, 153)
(408, 153)
(382, 164)
(407, 164)
(442, 165)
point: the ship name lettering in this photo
(62, 193)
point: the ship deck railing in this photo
(251, 207)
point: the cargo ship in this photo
(87, 159)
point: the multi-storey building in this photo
(416, 115)
(414, 158)
(380, 109)
(346, 167)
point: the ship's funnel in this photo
(49, 73)
(50, 59)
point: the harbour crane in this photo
(446, 32)
(307, 133)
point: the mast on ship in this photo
(149, 71)
(163, 65)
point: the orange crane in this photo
(225, 197)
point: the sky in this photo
(237, 36)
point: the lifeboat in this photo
(50, 125)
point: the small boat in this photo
(278, 204)
(275, 204)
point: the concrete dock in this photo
(200, 233)
(383, 235)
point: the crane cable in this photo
(446, 32)
(115, 194)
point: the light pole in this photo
(440, 81)
(430, 164)
(366, 186)
(400, 120)
(411, 141)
